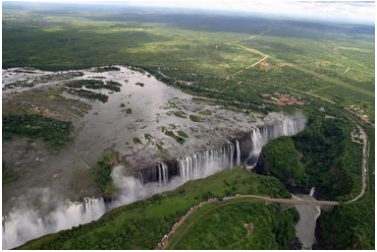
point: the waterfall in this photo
(203, 164)
(24, 224)
(162, 173)
(228, 155)
(257, 141)
(283, 126)
(238, 153)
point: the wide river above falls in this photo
(141, 122)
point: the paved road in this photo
(237, 198)
(230, 200)
(296, 201)
(182, 234)
(364, 177)
(364, 166)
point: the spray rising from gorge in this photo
(25, 223)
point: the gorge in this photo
(23, 224)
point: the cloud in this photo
(346, 11)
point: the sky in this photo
(346, 11)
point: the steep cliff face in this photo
(142, 224)
(242, 151)
(263, 166)
(280, 159)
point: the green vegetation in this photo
(332, 161)
(333, 164)
(113, 85)
(280, 159)
(182, 134)
(352, 226)
(180, 114)
(231, 218)
(102, 172)
(107, 69)
(332, 61)
(148, 136)
(54, 132)
(205, 112)
(196, 118)
(94, 84)
(322, 155)
(8, 174)
(177, 138)
(48, 102)
(141, 225)
(89, 95)
(163, 152)
(136, 140)
(325, 65)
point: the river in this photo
(305, 228)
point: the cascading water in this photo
(162, 170)
(238, 151)
(23, 225)
(257, 141)
(247, 150)
(205, 163)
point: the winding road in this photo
(166, 240)
(364, 166)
